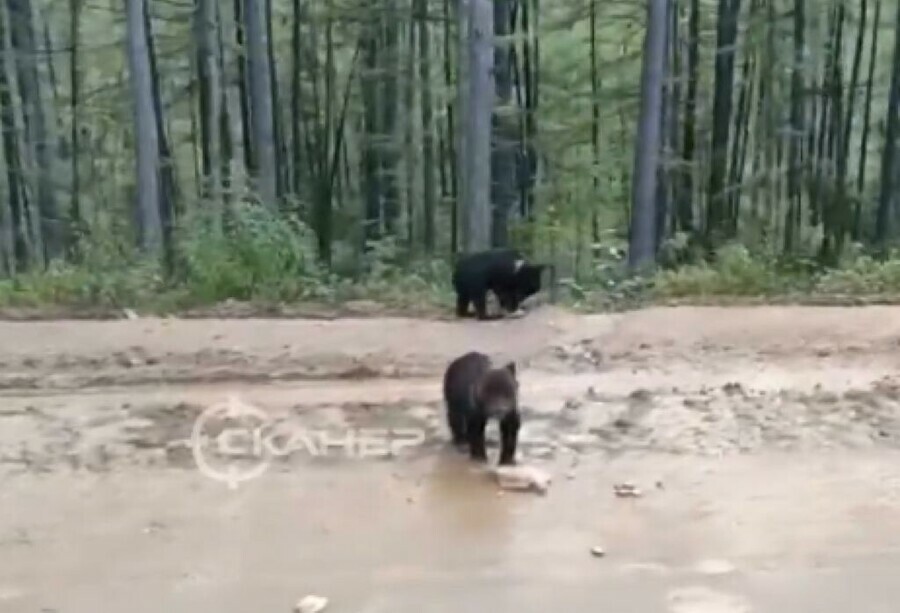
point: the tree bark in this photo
(205, 27)
(480, 106)
(642, 241)
(145, 129)
(889, 197)
(428, 186)
(261, 114)
(37, 136)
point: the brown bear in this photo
(476, 392)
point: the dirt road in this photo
(765, 441)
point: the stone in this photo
(522, 478)
(311, 604)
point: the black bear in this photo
(476, 392)
(502, 271)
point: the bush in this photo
(259, 254)
(864, 275)
(734, 272)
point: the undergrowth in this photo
(265, 259)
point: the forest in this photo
(181, 152)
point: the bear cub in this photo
(476, 392)
(505, 272)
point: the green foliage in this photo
(263, 259)
(864, 275)
(737, 273)
(259, 254)
(393, 281)
(734, 272)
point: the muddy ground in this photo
(765, 442)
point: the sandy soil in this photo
(765, 441)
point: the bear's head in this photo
(498, 391)
(528, 278)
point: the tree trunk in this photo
(409, 103)
(145, 129)
(296, 99)
(503, 131)
(240, 30)
(479, 107)
(389, 154)
(642, 240)
(37, 136)
(371, 179)
(595, 130)
(726, 41)
(867, 112)
(686, 191)
(428, 187)
(18, 205)
(74, 110)
(205, 27)
(460, 137)
(452, 139)
(277, 132)
(167, 183)
(889, 198)
(797, 128)
(266, 171)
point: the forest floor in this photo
(765, 441)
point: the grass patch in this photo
(268, 264)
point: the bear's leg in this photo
(462, 305)
(480, 301)
(457, 421)
(509, 436)
(475, 425)
(509, 301)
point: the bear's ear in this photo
(511, 367)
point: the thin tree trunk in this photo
(296, 98)
(167, 181)
(867, 112)
(277, 132)
(243, 87)
(145, 123)
(726, 40)
(889, 197)
(371, 179)
(452, 135)
(797, 126)
(844, 157)
(462, 116)
(686, 191)
(261, 103)
(18, 206)
(389, 154)
(208, 80)
(642, 240)
(74, 110)
(37, 136)
(409, 101)
(479, 110)
(738, 142)
(503, 131)
(595, 131)
(428, 187)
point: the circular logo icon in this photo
(226, 442)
